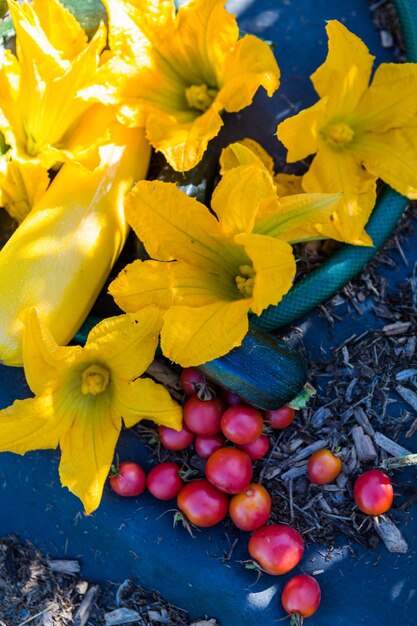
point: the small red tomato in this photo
(191, 379)
(230, 398)
(250, 509)
(280, 418)
(276, 548)
(373, 492)
(242, 424)
(323, 467)
(164, 481)
(175, 439)
(229, 469)
(202, 504)
(130, 480)
(257, 449)
(203, 417)
(206, 445)
(301, 595)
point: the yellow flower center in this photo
(245, 280)
(339, 134)
(200, 97)
(94, 380)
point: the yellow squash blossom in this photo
(176, 72)
(310, 212)
(358, 132)
(209, 270)
(82, 394)
(22, 184)
(40, 103)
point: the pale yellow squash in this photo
(60, 256)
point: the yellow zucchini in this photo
(60, 256)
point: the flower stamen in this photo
(339, 134)
(200, 97)
(245, 280)
(94, 380)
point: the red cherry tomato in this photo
(323, 467)
(175, 439)
(373, 492)
(250, 509)
(242, 424)
(206, 445)
(230, 398)
(276, 548)
(229, 469)
(280, 418)
(164, 481)
(191, 379)
(258, 448)
(130, 481)
(203, 417)
(301, 595)
(202, 504)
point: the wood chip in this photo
(64, 566)
(408, 396)
(390, 535)
(393, 448)
(387, 40)
(363, 421)
(308, 451)
(84, 610)
(412, 430)
(121, 616)
(397, 328)
(320, 416)
(295, 472)
(405, 375)
(364, 447)
(158, 617)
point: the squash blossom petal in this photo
(358, 132)
(40, 104)
(82, 395)
(209, 270)
(285, 210)
(176, 72)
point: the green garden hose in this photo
(325, 281)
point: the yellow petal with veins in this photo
(191, 336)
(43, 359)
(127, 343)
(300, 133)
(87, 449)
(274, 265)
(240, 195)
(392, 156)
(245, 152)
(30, 424)
(22, 184)
(144, 399)
(341, 173)
(345, 74)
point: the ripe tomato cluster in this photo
(228, 434)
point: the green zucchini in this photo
(264, 371)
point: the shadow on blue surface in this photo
(135, 538)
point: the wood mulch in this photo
(37, 591)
